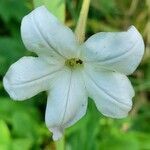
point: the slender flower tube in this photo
(71, 72)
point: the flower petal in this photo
(29, 76)
(118, 51)
(67, 103)
(43, 34)
(111, 91)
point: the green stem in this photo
(81, 25)
(60, 145)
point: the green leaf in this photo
(25, 143)
(11, 49)
(56, 7)
(5, 138)
(13, 9)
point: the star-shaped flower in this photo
(71, 72)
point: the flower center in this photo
(74, 63)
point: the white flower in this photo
(70, 72)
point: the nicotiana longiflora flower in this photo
(71, 72)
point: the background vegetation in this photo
(22, 123)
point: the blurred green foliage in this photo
(57, 7)
(22, 123)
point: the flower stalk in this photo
(60, 144)
(81, 25)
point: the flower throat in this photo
(74, 63)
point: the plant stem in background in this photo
(133, 7)
(81, 25)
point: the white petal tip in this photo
(57, 133)
(138, 37)
(132, 28)
(8, 88)
(11, 92)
